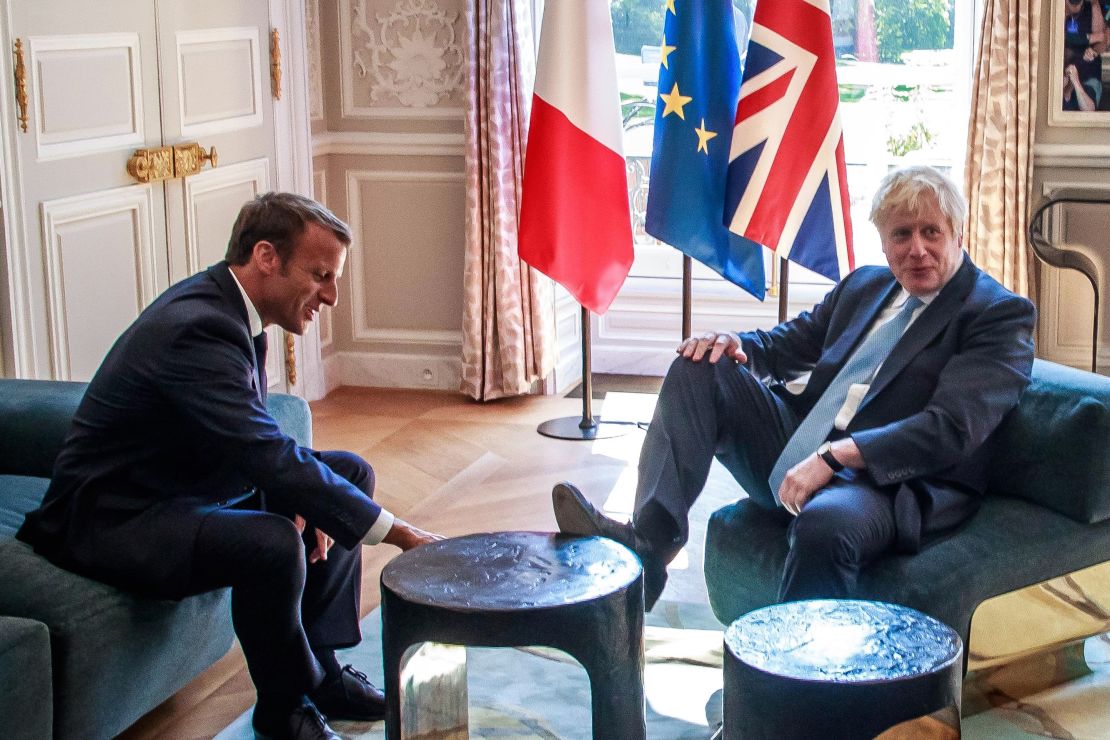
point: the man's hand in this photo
(406, 536)
(812, 474)
(718, 344)
(323, 541)
(802, 481)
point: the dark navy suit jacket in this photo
(924, 426)
(172, 427)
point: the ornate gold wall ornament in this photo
(290, 359)
(20, 84)
(168, 162)
(151, 165)
(275, 64)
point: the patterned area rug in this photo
(543, 693)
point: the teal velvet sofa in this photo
(78, 658)
(1046, 514)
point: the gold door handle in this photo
(189, 159)
(168, 162)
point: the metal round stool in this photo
(581, 595)
(836, 669)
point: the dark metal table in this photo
(837, 669)
(581, 595)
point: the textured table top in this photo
(511, 571)
(842, 640)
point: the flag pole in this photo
(687, 295)
(784, 287)
(587, 426)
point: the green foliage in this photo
(918, 137)
(636, 23)
(904, 25)
(636, 110)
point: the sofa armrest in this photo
(27, 701)
(292, 415)
(35, 416)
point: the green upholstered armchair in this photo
(79, 658)
(1046, 515)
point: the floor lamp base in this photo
(571, 427)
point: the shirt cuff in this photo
(379, 529)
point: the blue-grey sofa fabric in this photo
(26, 705)
(1052, 452)
(112, 655)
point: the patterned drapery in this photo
(508, 313)
(998, 177)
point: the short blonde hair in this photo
(902, 189)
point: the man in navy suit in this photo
(869, 448)
(175, 479)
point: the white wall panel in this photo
(87, 93)
(219, 80)
(212, 201)
(100, 273)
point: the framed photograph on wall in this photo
(1079, 83)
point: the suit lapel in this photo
(932, 321)
(862, 318)
(221, 274)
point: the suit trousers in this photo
(723, 411)
(283, 608)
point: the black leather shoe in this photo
(576, 515)
(350, 695)
(304, 722)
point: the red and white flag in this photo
(575, 224)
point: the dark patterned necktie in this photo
(260, 364)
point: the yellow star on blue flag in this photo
(689, 161)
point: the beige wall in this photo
(1070, 156)
(387, 139)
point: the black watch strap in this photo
(825, 453)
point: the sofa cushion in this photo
(1052, 449)
(18, 495)
(25, 703)
(746, 547)
(115, 654)
(34, 418)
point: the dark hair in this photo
(279, 218)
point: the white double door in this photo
(103, 80)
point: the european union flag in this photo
(699, 83)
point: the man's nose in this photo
(917, 245)
(329, 294)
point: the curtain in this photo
(508, 308)
(998, 178)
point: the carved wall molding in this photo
(411, 57)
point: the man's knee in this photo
(277, 543)
(821, 533)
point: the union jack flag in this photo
(787, 187)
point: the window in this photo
(904, 74)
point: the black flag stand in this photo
(687, 293)
(587, 426)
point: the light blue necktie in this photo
(859, 368)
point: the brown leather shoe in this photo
(350, 695)
(303, 722)
(576, 515)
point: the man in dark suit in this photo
(175, 479)
(906, 372)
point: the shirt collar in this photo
(253, 317)
(903, 295)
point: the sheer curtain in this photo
(508, 313)
(998, 177)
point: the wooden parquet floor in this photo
(445, 463)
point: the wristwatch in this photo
(825, 453)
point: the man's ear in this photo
(265, 257)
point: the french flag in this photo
(575, 223)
